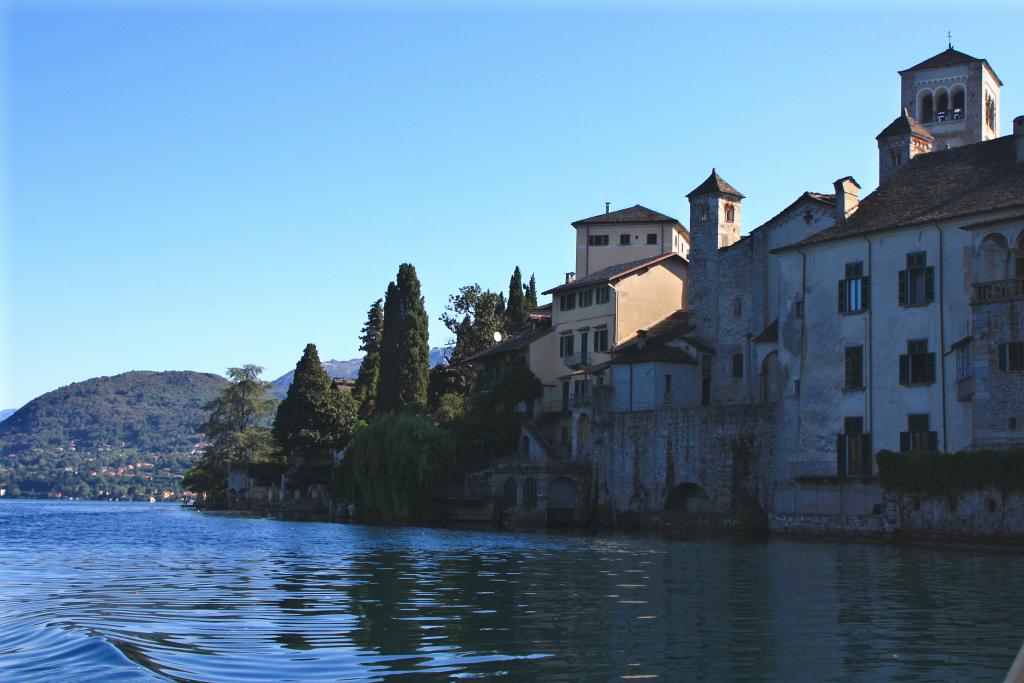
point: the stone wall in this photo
(998, 406)
(973, 516)
(640, 457)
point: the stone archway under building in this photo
(686, 498)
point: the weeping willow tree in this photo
(393, 466)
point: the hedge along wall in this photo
(950, 475)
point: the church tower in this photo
(954, 96)
(714, 224)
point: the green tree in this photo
(531, 293)
(473, 316)
(365, 390)
(517, 319)
(314, 418)
(235, 429)
(405, 351)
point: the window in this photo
(1011, 356)
(668, 386)
(598, 240)
(798, 309)
(565, 345)
(567, 302)
(942, 106)
(601, 340)
(652, 238)
(854, 289)
(602, 295)
(917, 282)
(990, 111)
(623, 240)
(853, 449)
(964, 369)
(927, 110)
(509, 497)
(565, 407)
(530, 493)
(958, 103)
(730, 213)
(854, 368)
(583, 347)
(703, 212)
(737, 307)
(918, 438)
(737, 365)
(917, 365)
(586, 298)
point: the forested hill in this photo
(150, 411)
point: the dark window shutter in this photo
(842, 296)
(905, 369)
(903, 287)
(865, 454)
(933, 441)
(840, 454)
(865, 293)
(1002, 351)
(929, 367)
(929, 283)
(904, 442)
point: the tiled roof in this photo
(634, 214)
(903, 125)
(671, 326)
(715, 184)
(949, 57)
(827, 199)
(614, 273)
(963, 181)
(514, 344)
(653, 354)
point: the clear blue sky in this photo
(193, 186)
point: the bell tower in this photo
(714, 224)
(954, 96)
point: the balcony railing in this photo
(576, 360)
(998, 290)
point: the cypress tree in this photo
(365, 390)
(308, 421)
(405, 351)
(531, 293)
(515, 311)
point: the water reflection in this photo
(118, 591)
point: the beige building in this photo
(626, 235)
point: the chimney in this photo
(1018, 134)
(607, 207)
(847, 197)
(641, 339)
(570, 278)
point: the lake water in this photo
(135, 591)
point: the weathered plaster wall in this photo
(638, 458)
(643, 299)
(641, 386)
(592, 259)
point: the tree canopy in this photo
(405, 352)
(314, 418)
(365, 390)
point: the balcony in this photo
(998, 291)
(576, 360)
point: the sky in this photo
(195, 186)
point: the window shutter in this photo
(842, 296)
(929, 283)
(905, 369)
(1002, 351)
(903, 287)
(904, 442)
(840, 454)
(865, 293)
(865, 454)
(933, 441)
(929, 367)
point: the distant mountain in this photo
(6, 413)
(343, 368)
(152, 411)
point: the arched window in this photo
(730, 213)
(926, 111)
(958, 102)
(993, 259)
(510, 493)
(703, 212)
(530, 493)
(990, 111)
(1018, 257)
(941, 105)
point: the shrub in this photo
(951, 474)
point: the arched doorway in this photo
(561, 501)
(509, 493)
(686, 497)
(770, 377)
(993, 258)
